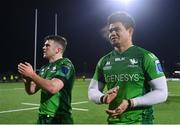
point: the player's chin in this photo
(115, 44)
(44, 56)
(114, 41)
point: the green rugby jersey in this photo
(60, 102)
(130, 70)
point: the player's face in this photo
(49, 49)
(118, 34)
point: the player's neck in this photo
(55, 58)
(123, 47)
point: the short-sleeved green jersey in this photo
(130, 70)
(60, 102)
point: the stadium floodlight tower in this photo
(35, 35)
(35, 39)
(55, 24)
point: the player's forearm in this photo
(157, 95)
(45, 84)
(94, 92)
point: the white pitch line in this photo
(80, 109)
(17, 110)
(30, 104)
(33, 104)
(75, 103)
(18, 88)
(174, 95)
(11, 89)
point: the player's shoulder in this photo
(45, 66)
(145, 52)
(141, 50)
(105, 58)
(65, 62)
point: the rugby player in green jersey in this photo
(132, 75)
(55, 80)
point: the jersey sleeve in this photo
(98, 75)
(64, 72)
(152, 67)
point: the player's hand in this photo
(119, 110)
(26, 79)
(26, 70)
(110, 95)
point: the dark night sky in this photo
(80, 21)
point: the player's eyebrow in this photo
(114, 29)
(47, 45)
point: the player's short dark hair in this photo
(123, 17)
(58, 39)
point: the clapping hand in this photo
(110, 95)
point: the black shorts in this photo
(46, 119)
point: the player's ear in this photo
(59, 50)
(131, 30)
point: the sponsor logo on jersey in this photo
(107, 67)
(158, 67)
(133, 62)
(65, 70)
(107, 63)
(42, 71)
(122, 77)
(119, 59)
(53, 69)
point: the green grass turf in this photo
(12, 95)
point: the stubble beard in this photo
(115, 44)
